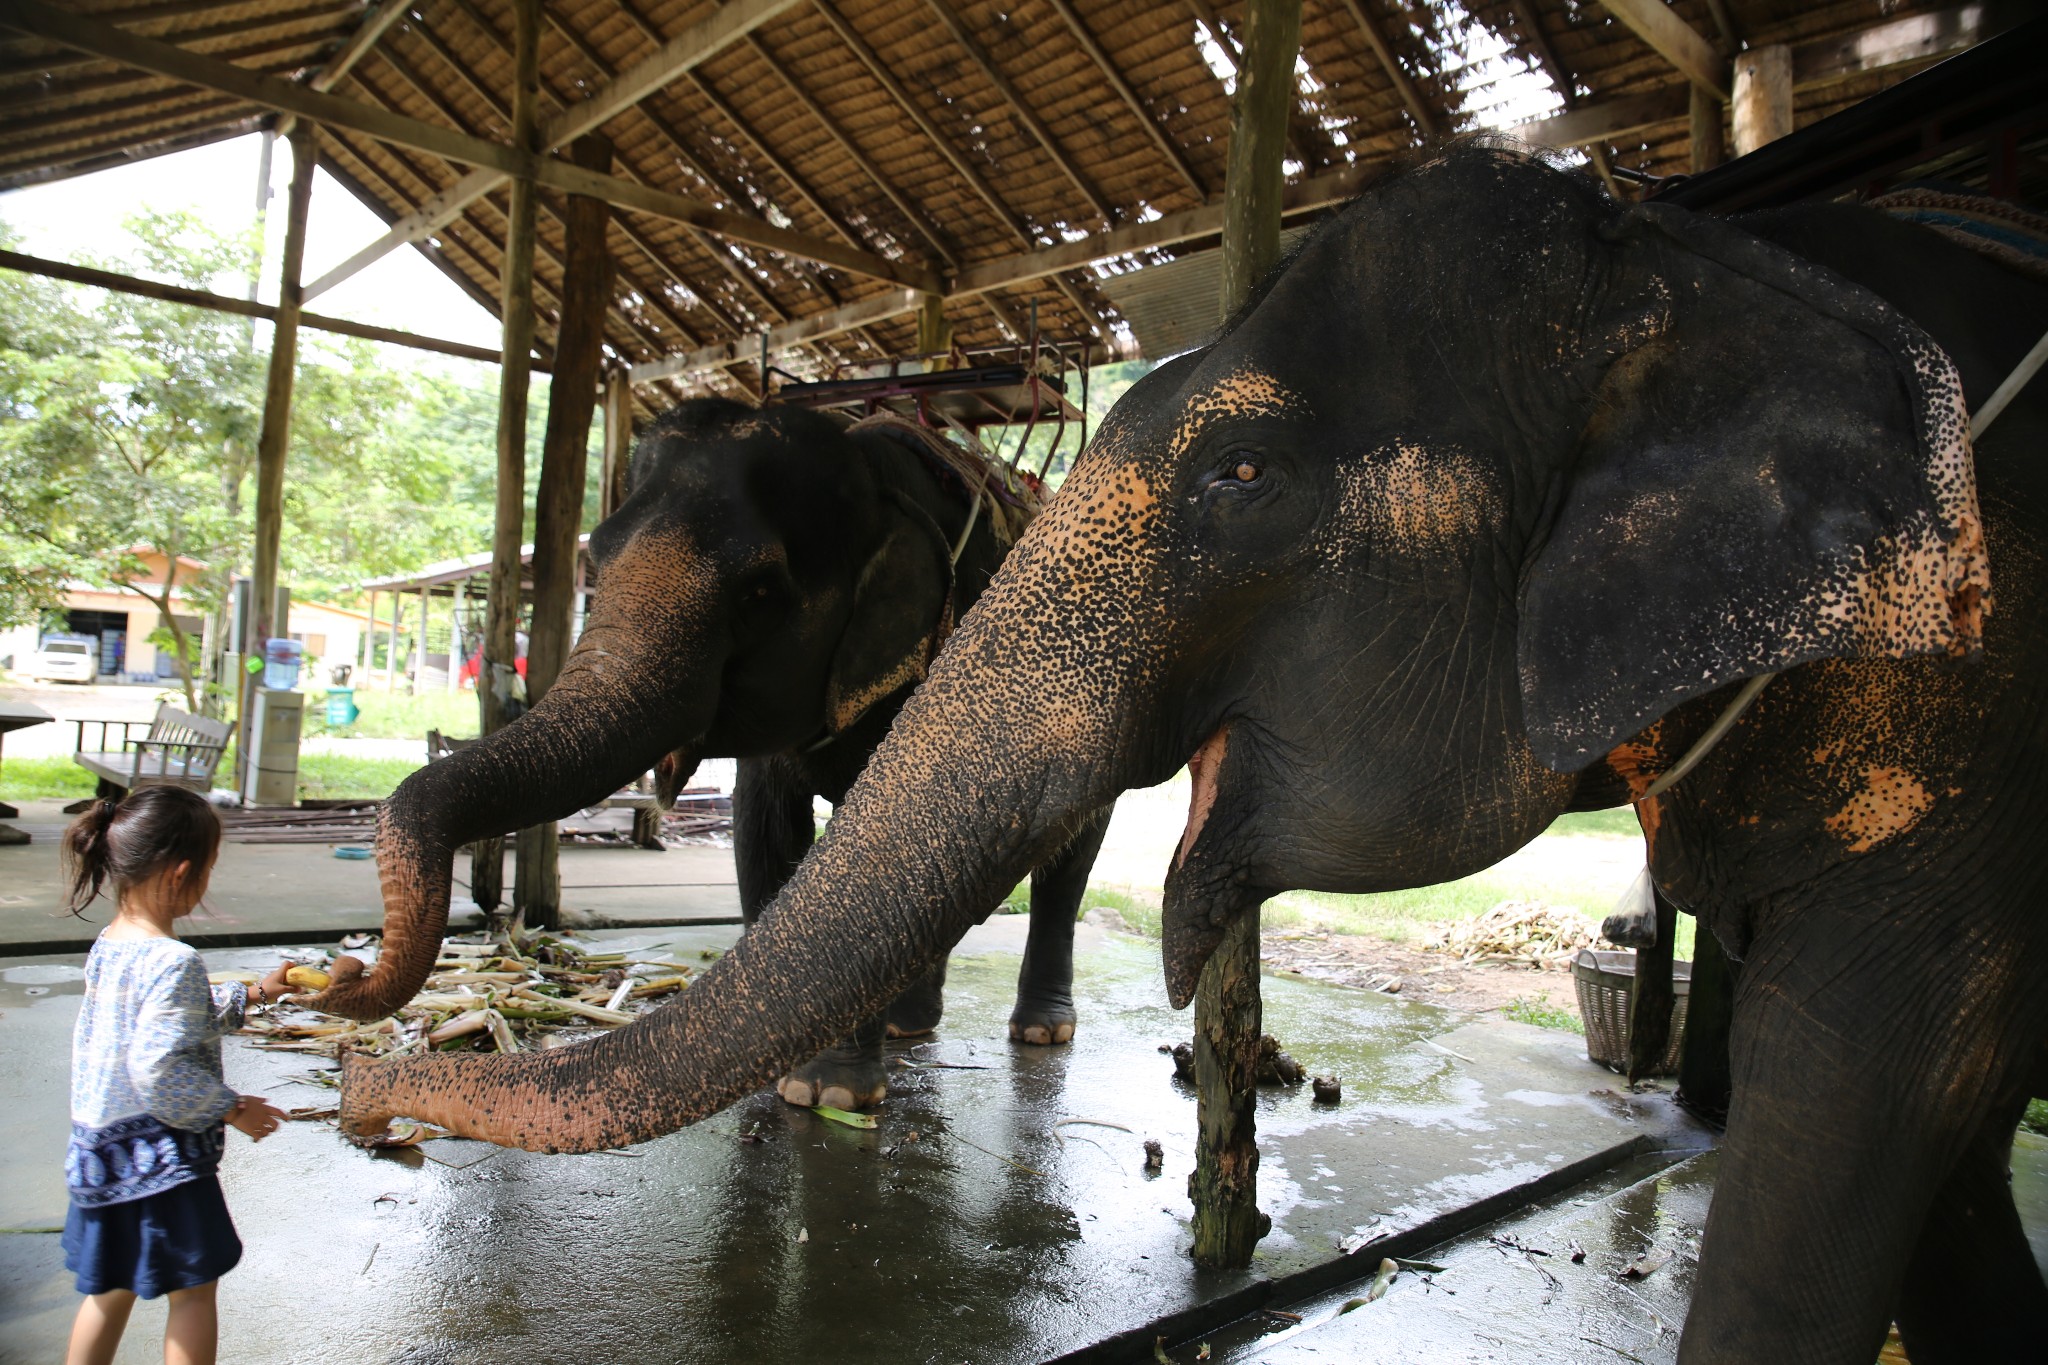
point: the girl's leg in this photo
(96, 1331)
(193, 1333)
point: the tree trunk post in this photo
(496, 683)
(274, 437)
(1709, 138)
(1224, 1183)
(1650, 1002)
(558, 505)
(618, 441)
(1763, 96)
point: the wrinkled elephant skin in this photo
(1481, 512)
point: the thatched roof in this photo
(939, 134)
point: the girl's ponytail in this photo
(130, 841)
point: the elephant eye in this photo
(1245, 470)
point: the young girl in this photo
(147, 1100)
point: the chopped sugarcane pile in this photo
(1525, 933)
(504, 993)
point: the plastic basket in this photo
(1606, 984)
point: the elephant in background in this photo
(1484, 510)
(772, 589)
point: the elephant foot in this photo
(916, 1012)
(835, 1079)
(1042, 1025)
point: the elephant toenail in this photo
(1063, 1034)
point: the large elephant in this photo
(1483, 511)
(771, 590)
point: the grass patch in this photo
(393, 715)
(1621, 822)
(331, 777)
(1537, 1010)
(2035, 1120)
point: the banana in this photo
(309, 978)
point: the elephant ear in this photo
(1778, 471)
(902, 612)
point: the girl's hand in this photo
(256, 1116)
(273, 987)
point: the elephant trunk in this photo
(986, 772)
(640, 684)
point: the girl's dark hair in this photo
(134, 839)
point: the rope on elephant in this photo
(1993, 227)
(987, 483)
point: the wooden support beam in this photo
(359, 43)
(222, 303)
(497, 161)
(1161, 139)
(860, 313)
(1763, 96)
(1373, 30)
(1606, 121)
(1224, 1183)
(952, 21)
(496, 679)
(1676, 41)
(558, 503)
(41, 90)
(911, 211)
(1709, 142)
(274, 436)
(618, 442)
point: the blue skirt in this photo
(179, 1238)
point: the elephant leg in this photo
(1973, 1293)
(847, 1075)
(1861, 1074)
(1045, 983)
(772, 829)
(918, 1010)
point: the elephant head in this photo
(728, 618)
(1490, 477)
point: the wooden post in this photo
(1224, 1183)
(274, 437)
(618, 441)
(1709, 140)
(1650, 1002)
(934, 333)
(558, 504)
(501, 628)
(1763, 96)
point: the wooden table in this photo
(17, 715)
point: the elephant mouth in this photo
(1202, 889)
(671, 771)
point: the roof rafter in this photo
(1168, 148)
(1373, 30)
(1676, 41)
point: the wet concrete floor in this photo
(999, 1213)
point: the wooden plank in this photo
(1897, 42)
(1606, 121)
(1160, 139)
(860, 313)
(1763, 96)
(1676, 41)
(1374, 33)
(496, 159)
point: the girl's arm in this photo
(229, 1000)
(166, 1054)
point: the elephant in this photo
(1485, 508)
(770, 590)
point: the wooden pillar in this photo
(274, 437)
(618, 441)
(1709, 140)
(558, 503)
(1763, 96)
(496, 689)
(1224, 1183)
(934, 333)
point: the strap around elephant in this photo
(989, 485)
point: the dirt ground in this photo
(1414, 973)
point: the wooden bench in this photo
(178, 750)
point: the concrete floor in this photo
(997, 1233)
(302, 889)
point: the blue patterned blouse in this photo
(147, 1100)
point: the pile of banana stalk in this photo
(506, 994)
